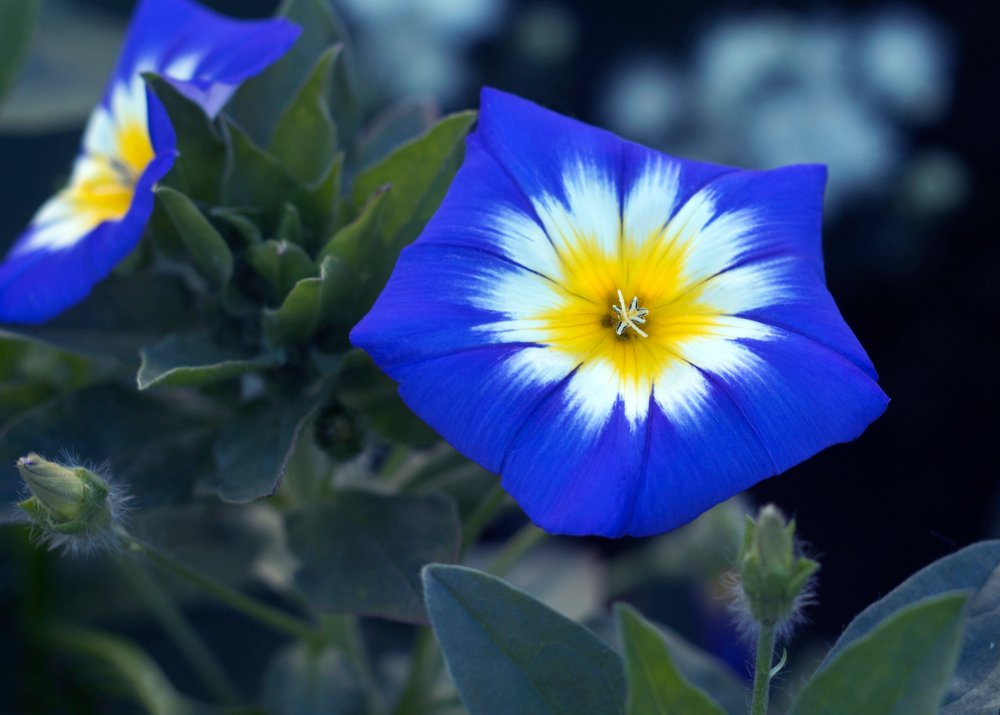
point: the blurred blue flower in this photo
(78, 236)
(628, 338)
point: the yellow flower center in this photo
(105, 192)
(640, 338)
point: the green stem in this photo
(517, 546)
(425, 663)
(762, 671)
(345, 631)
(261, 612)
(483, 514)
(184, 635)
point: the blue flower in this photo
(78, 236)
(628, 338)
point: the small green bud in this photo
(773, 577)
(66, 501)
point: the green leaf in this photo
(290, 225)
(201, 159)
(206, 246)
(900, 667)
(366, 390)
(122, 313)
(282, 265)
(240, 222)
(260, 102)
(975, 569)
(359, 244)
(362, 552)
(655, 685)
(17, 21)
(397, 125)
(319, 203)
(508, 653)
(420, 173)
(706, 672)
(302, 680)
(193, 359)
(255, 178)
(155, 447)
(305, 139)
(252, 452)
(127, 665)
(312, 305)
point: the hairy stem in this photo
(762, 671)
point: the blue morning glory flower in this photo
(78, 236)
(628, 338)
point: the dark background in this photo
(913, 256)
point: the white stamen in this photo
(630, 316)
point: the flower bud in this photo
(774, 579)
(70, 505)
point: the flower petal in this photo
(39, 283)
(206, 54)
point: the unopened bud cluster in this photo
(71, 506)
(774, 579)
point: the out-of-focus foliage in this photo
(17, 20)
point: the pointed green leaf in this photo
(305, 139)
(303, 680)
(201, 158)
(127, 665)
(17, 22)
(252, 452)
(419, 173)
(260, 102)
(319, 203)
(362, 552)
(359, 244)
(241, 223)
(282, 265)
(207, 247)
(313, 304)
(975, 569)
(194, 359)
(655, 685)
(395, 126)
(901, 667)
(290, 226)
(255, 178)
(509, 653)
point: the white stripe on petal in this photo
(515, 293)
(681, 391)
(593, 391)
(720, 354)
(749, 287)
(524, 242)
(539, 366)
(717, 245)
(651, 201)
(590, 210)
(100, 137)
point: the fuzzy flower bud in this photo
(70, 505)
(773, 578)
